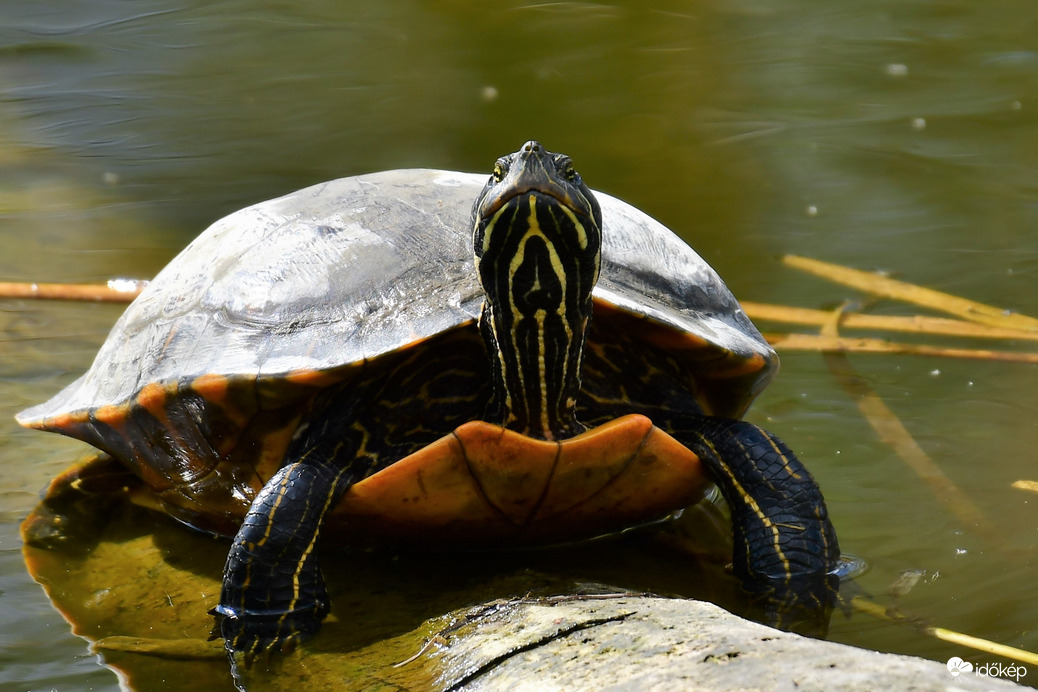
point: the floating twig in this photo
(816, 342)
(910, 293)
(115, 291)
(892, 431)
(917, 324)
(1030, 486)
(1014, 654)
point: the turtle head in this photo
(537, 242)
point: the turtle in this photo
(381, 353)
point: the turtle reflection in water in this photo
(334, 359)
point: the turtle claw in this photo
(265, 634)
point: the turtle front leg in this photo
(273, 592)
(785, 550)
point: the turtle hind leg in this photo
(273, 592)
(786, 550)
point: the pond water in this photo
(899, 136)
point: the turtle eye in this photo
(500, 169)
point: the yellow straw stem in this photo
(892, 431)
(967, 640)
(814, 342)
(109, 293)
(1030, 486)
(916, 324)
(899, 290)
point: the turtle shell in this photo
(272, 302)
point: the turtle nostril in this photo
(532, 146)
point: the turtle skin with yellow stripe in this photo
(380, 357)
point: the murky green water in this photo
(886, 135)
